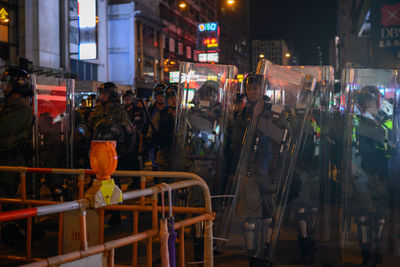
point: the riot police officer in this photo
(257, 199)
(111, 122)
(305, 190)
(370, 172)
(128, 100)
(157, 106)
(137, 117)
(205, 119)
(16, 148)
(16, 121)
(162, 134)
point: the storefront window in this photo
(148, 66)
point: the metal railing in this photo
(52, 207)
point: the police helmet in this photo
(171, 90)
(19, 79)
(109, 87)
(159, 89)
(368, 95)
(128, 93)
(209, 92)
(251, 78)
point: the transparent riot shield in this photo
(313, 186)
(201, 123)
(277, 107)
(369, 165)
(314, 180)
(54, 128)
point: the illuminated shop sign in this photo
(208, 37)
(174, 76)
(87, 29)
(211, 26)
(208, 57)
(385, 29)
(4, 18)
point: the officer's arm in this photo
(90, 125)
(156, 123)
(125, 117)
(15, 121)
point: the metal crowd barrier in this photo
(40, 208)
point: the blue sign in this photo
(210, 26)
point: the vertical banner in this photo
(385, 26)
(87, 29)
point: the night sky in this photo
(304, 25)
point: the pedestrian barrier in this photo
(40, 208)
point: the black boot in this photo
(368, 260)
(255, 262)
(307, 250)
(378, 257)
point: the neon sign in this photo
(208, 37)
(211, 26)
(4, 16)
(210, 42)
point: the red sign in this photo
(390, 15)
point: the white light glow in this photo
(87, 51)
(208, 57)
(87, 13)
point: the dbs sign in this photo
(208, 37)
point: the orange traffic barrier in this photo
(205, 214)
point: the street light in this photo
(287, 55)
(262, 56)
(182, 5)
(230, 2)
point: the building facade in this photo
(133, 43)
(235, 34)
(275, 51)
(366, 36)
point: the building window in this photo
(85, 70)
(180, 48)
(189, 52)
(148, 66)
(171, 44)
(148, 35)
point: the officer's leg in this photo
(362, 207)
(306, 215)
(306, 222)
(364, 237)
(195, 199)
(378, 229)
(379, 193)
(258, 235)
(9, 181)
(255, 226)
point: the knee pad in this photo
(363, 225)
(267, 228)
(380, 224)
(250, 231)
(301, 218)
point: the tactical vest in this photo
(165, 130)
